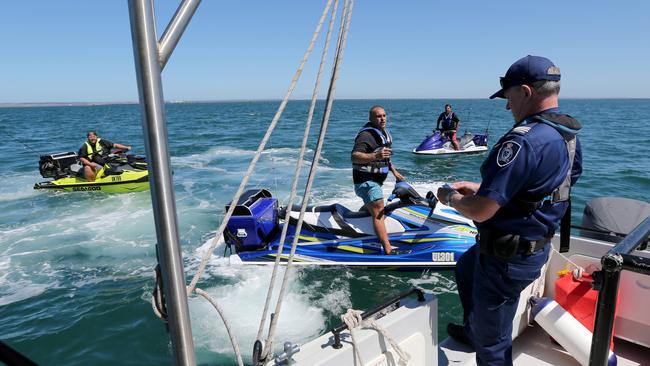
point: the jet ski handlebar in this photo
(408, 196)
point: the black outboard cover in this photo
(56, 165)
(613, 215)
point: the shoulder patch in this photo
(508, 153)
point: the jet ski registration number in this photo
(442, 256)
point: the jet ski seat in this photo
(466, 138)
(363, 212)
(336, 207)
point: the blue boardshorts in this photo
(369, 191)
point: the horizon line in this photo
(203, 101)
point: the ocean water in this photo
(76, 269)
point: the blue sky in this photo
(80, 51)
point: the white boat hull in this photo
(414, 325)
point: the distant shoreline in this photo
(90, 104)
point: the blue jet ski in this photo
(436, 144)
(425, 233)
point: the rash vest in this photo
(380, 166)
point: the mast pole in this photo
(148, 68)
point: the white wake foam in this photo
(242, 300)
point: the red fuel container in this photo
(578, 298)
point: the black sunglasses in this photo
(506, 82)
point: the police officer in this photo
(370, 166)
(450, 123)
(517, 207)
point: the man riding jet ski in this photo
(444, 141)
(119, 173)
(93, 154)
(437, 144)
(426, 234)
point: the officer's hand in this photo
(466, 188)
(128, 148)
(442, 193)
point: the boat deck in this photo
(535, 348)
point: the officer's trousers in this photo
(489, 293)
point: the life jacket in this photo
(448, 122)
(94, 150)
(383, 141)
(568, 127)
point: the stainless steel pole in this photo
(175, 29)
(145, 50)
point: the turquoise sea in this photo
(76, 269)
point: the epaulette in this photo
(522, 130)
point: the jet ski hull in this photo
(429, 250)
(127, 181)
(332, 235)
(438, 145)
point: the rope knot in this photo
(352, 318)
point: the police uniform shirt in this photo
(366, 142)
(530, 160)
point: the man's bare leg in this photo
(376, 209)
(89, 173)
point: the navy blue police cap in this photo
(527, 70)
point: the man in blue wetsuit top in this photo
(517, 207)
(370, 166)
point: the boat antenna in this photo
(469, 118)
(487, 129)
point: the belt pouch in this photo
(505, 247)
(501, 246)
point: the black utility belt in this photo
(506, 246)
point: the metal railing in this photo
(606, 282)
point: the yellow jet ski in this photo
(121, 173)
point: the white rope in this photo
(345, 24)
(296, 175)
(231, 335)
(578, 267)
(352, 318)
(251, 167)
(155, 308)
(192, 287)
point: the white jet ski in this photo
(436, 144)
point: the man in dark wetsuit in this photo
(450, 123)
(370, 166)
(517, 207)
(93, 152)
